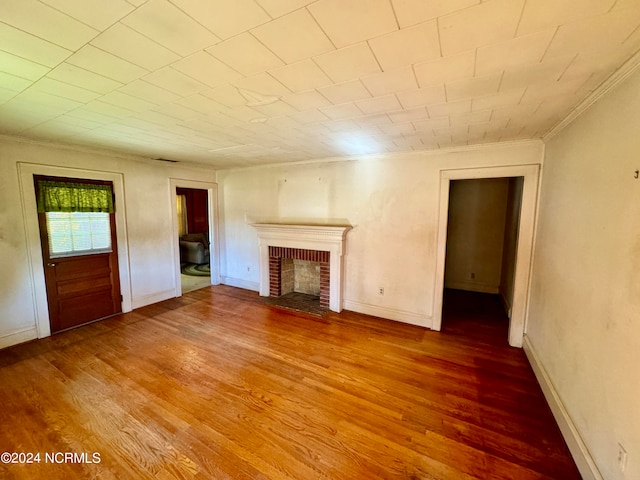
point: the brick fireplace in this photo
(315, 243)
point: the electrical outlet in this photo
(381, 291)
(472, 276)
(248, 269)
(622, 458)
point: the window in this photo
(74, 233)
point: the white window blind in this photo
(73, 233)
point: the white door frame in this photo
(212, 208)
(30, 215)
(524, 252)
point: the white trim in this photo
(579, 451)
(524, 252)
(240, 283)
(214, 247)
(32, 230)
(329, 238)
(614, 80)
(389, 313)
(18, 336)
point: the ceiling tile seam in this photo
(631, 34)
(147, 71)
(546, 50)
(395, 15)
(524, 6)
(86, 24)
(250, 32)
(571, 62)
(71, 52)
(180, 55)
(192, 18)
(306, 7)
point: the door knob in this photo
(51, 264)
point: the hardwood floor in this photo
(218, 385)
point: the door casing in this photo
(524, 252)
(26, 171)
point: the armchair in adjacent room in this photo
(194, 248)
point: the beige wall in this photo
(584, 315)
(147, 202)
(475, 234)
(391, 201)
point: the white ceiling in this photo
(245, 82)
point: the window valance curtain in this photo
(57, 196)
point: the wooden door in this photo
(81, 287)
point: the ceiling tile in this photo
(275, 109)
(345, 110)
(551, 69)
(96, 13)
(80, 77)
(262, 84)
(301, 76)
(309, 40)
(411, 12)
(123, 100)
(528, 49)
(545, 14)
(45, 22)
(227, 95)
(134, 47)
(13, 83)
(174, 81)
(306, 100)
(473, 87)
(375, 17)
(178, 111)
(422, 96)
(595, 34)
(167, 25)
(65, 90)
(108, 65)
(345, 92)
(446, 109)
(379, 104)
(21, 67)
(481, 116)
(206, 69)
(503, 99)
(407, 46)
(410, 115)
(309, 116)
(392, 81)
(489, 22)
(245, 54)
(225, 18)
(348, 63)
(398, 129)
(450, 68)
(30, 47)
(277, 8)
(148, 92)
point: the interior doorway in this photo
(193, 235)
(194, 213)
(517, 286)
(482, 234)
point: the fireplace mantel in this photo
(330, 238)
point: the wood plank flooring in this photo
(218, 385)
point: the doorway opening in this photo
(192, 206)
(194, 229)
(482, 234)
(514, 281)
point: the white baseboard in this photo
(238, 282)
(577, 447)
(18, 336)
(388, 313)
(143, 301)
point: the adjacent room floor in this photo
(218, 385)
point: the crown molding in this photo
(619, 76)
